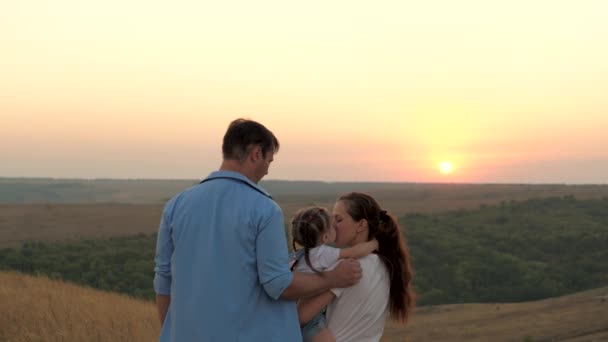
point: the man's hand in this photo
(347, 273)
(162, 305)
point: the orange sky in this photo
(372, 91)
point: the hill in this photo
(513, 252)
(574, 318)
(39, 309)
(516, 251)
(36, 308)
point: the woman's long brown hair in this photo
(392, 250)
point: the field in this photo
(36, 309)
(51, 210)
(574, 318)
(39, 309)
(54, 222)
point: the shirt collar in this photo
(237, 176)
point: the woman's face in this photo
(346, 227)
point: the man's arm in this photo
(162, 271)
(162, 305)
(347, 273)
(359, 250)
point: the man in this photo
(221, 257)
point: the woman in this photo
(359, 313)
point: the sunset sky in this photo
(504, 91)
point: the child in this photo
(312, 230)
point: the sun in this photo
(446, 167)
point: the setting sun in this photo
(446, 167)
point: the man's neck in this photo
(236, 166)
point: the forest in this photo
(511, 252)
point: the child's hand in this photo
(375, 244)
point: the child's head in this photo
(311, 227)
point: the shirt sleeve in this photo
(271, 254)
(164, 252)
(337, 291)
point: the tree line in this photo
(511, 252)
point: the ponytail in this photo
(392, 250)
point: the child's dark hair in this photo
(307, 227)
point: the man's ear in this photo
(255, 153)
(258, 153)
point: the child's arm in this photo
(309, 307)
(359, 250)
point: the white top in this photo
(321, 257)
(358, 313)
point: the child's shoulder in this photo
(325, 251)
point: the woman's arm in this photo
(359, 250)
(310, 306)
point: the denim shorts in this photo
(312, 328)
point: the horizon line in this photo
(302, 181)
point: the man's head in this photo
(251, 145)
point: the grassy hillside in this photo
(574, 318)
(39, 309)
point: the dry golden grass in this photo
(579, 317)
(39, 309)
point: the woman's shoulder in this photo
(371, 259)
(372, 262)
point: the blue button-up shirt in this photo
(221, 255)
